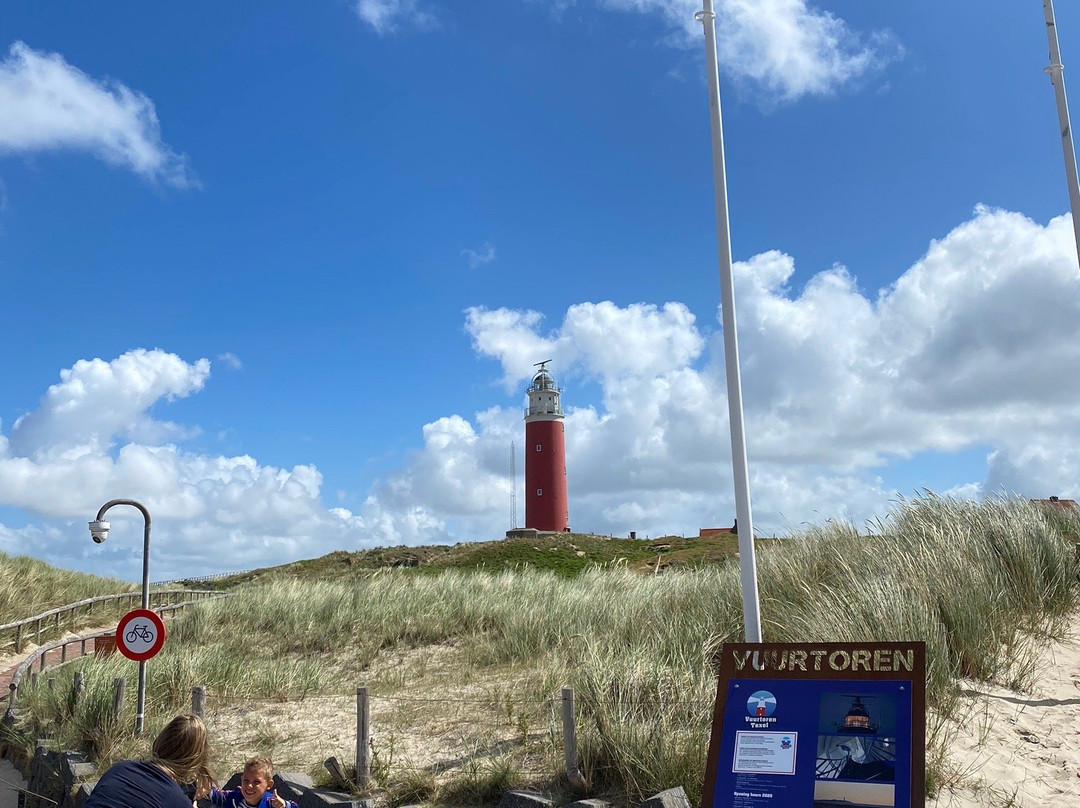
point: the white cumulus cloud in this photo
(93, 438)
(477, 258)
(787, 49)
(389, 16)
(973, 346)
(972, 350)
(96, 401)
(49, 104)
(780, 50)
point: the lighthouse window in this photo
(538, 447)
(539, 492)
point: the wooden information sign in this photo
(818, 724)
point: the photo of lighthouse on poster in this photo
(818, 725)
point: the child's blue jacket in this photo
(234, 798)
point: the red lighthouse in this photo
(546, 506)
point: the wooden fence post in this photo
(569, 731)
(363, 737)
(118, 698)
(198, 700)
(18, 638)
(77, 686)
(341, 780)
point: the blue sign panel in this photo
(791, 735)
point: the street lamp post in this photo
(99, 531)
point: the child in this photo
(256, 789)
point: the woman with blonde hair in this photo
(180, 757)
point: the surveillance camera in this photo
(99, 530)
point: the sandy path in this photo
(9, 662)
(1022, 749)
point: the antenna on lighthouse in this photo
(513, 487)
(541, 364)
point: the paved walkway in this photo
(53, 657)
(10, 778)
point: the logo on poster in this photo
(760, 707)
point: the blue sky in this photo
(281, 272)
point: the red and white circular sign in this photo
(140, 634)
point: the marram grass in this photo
(975, 581)
(32, 586)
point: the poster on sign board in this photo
(818, 724)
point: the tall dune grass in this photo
(975, 581)
(32, 586)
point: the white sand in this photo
(1022, 749)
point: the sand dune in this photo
(1023, 747)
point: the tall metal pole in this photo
(140, 711)
(743, 519)
(513, 486)
(1057, 78)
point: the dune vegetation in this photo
(32, 586)
(983, 584)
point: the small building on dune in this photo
(1058, 503)
(706, 532)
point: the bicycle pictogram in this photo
(140, 631)
(140, 634)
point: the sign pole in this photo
(99, 530)
(1057, 78)
(744, 520)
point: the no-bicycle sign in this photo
(140, 634)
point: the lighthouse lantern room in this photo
(546, 506)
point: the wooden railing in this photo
(40, 654)
(15, 634)
(217, 576)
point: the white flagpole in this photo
(1057, 78)
(743, 518)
